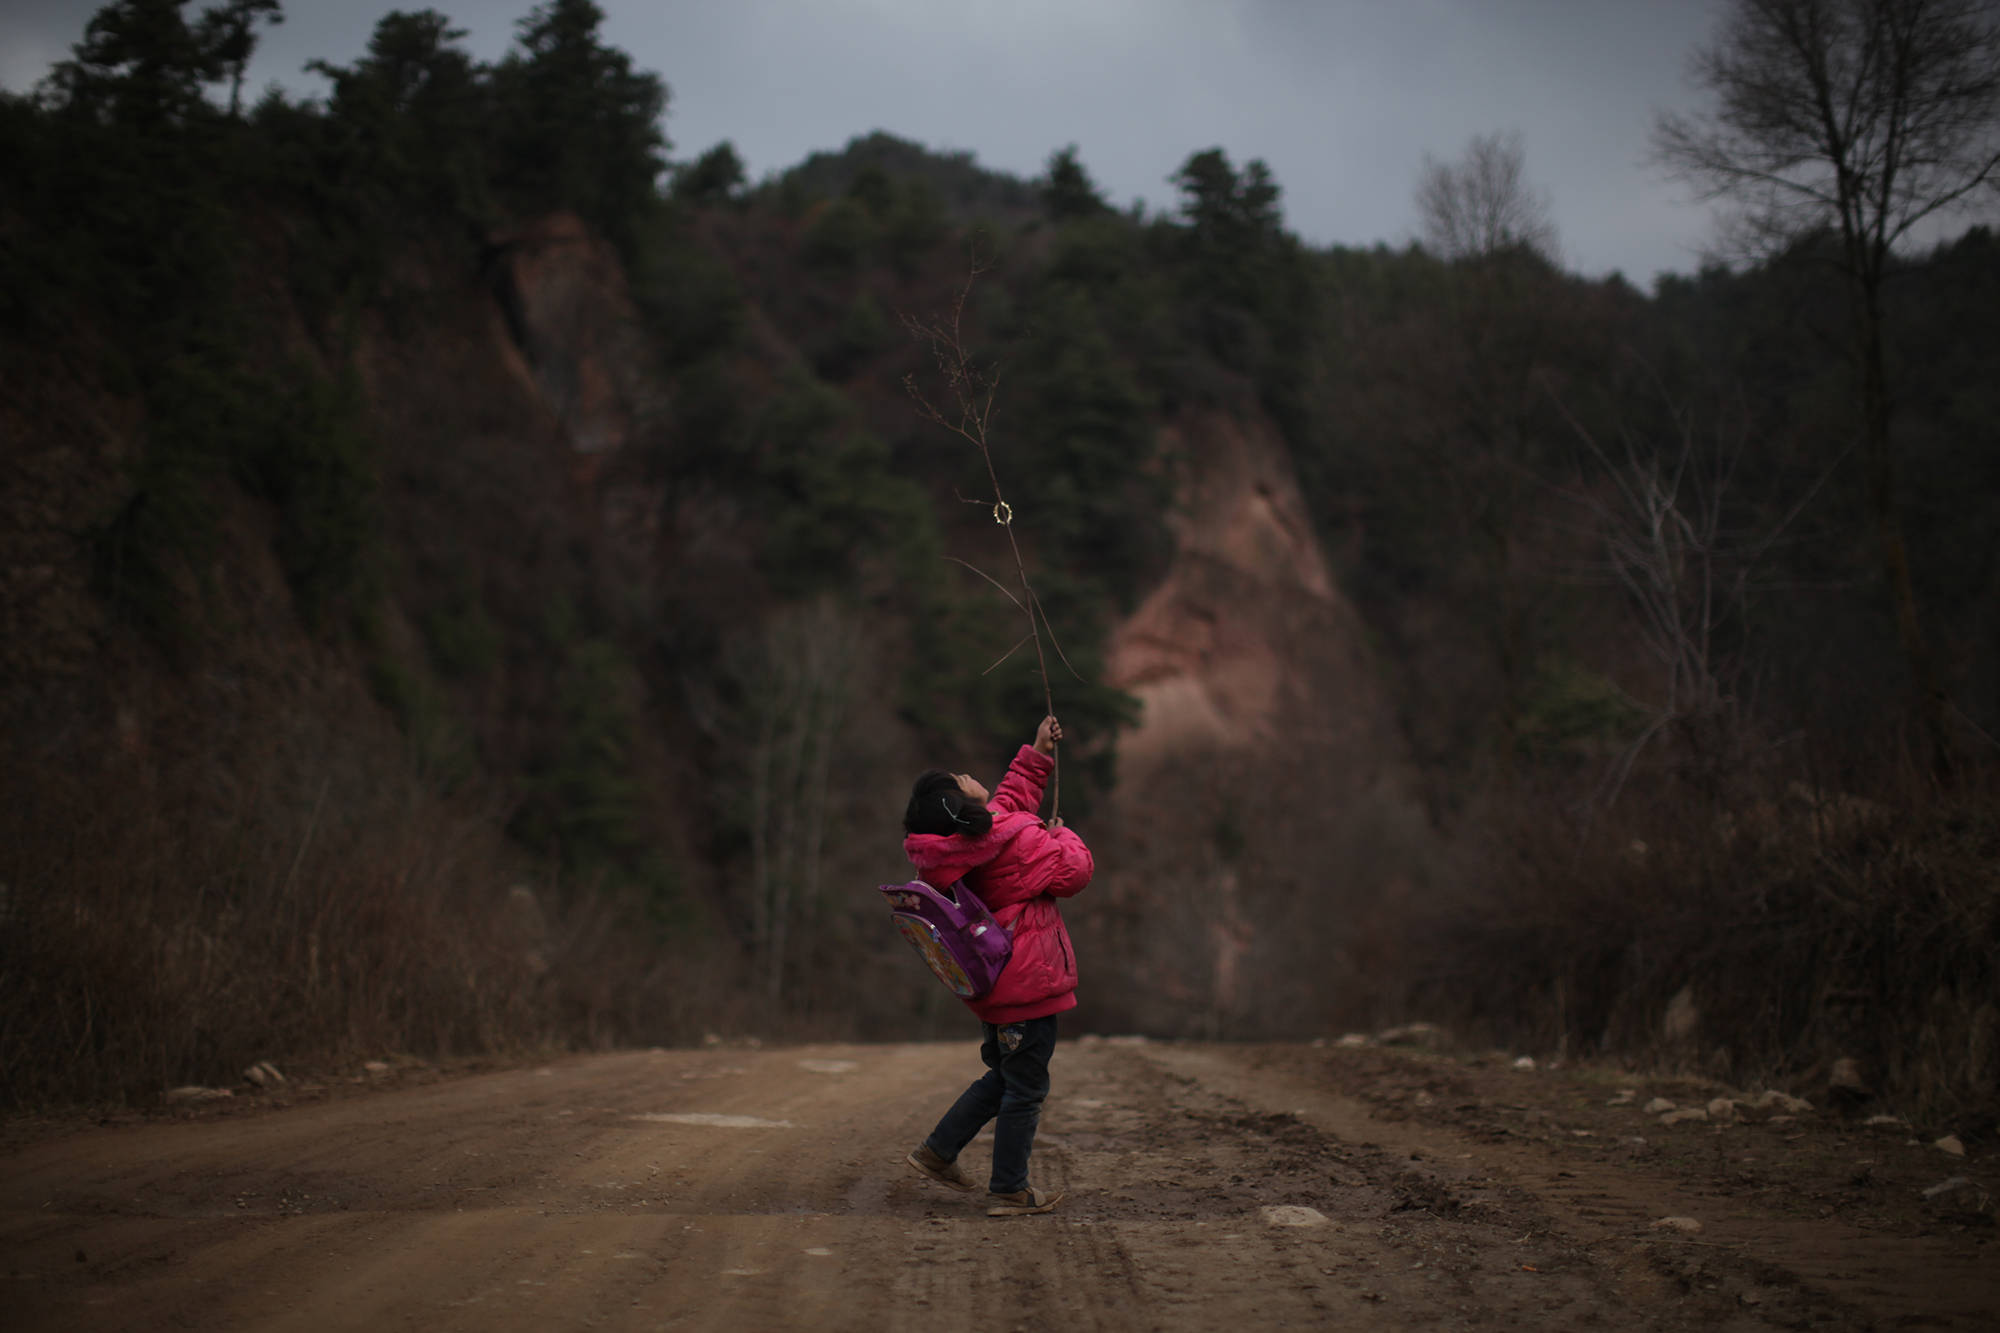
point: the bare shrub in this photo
(178, 931)
(1256, 897)
(621, 974)
(1803, 925)
(302, 897)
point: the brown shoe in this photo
(1022, 1203)
(930, 1164)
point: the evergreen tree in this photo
(408, 119)
(714, 177)
(229, 34)
(873, 190)
(1067, 190)
(139, 68)
(1229, 214)
(1086, 438)
(579, 127)
(1246, 286)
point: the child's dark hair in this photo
(938, 806)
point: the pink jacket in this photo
(1018, 869)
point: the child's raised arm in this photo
(1021, 789)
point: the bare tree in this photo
(1505, 308)
(1856, 120)
(1482, 204)
(1659, 513)
(802, 682)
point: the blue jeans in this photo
(1011, 1093)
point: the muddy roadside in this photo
(294, 1086)
(1783, 1204)
(1864, 1167)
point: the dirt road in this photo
(1209, 1187)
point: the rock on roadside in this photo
(1770, 1097)
(1292, 1215)
(1960, 1198)
(1845, 1084)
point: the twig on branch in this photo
(1009, 653)
(990, 579)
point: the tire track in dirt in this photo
(525, 1200)
(1189, 1164)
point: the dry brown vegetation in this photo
(174, 922)
(1757, 941)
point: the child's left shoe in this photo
(1022, 1203)
(928, 1163)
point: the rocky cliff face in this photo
(1266, 809)
(571, 314)
(1247, 644)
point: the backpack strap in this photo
(1012, 911)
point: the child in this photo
(1018, 867)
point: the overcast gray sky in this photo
(1341, 97)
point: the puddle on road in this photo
(830, 1066)
(716, 1119)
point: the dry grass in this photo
(166, 924)
(1802, 927)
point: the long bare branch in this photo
(974, 393)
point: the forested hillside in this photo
(477, 578)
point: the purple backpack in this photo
(954, 934)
